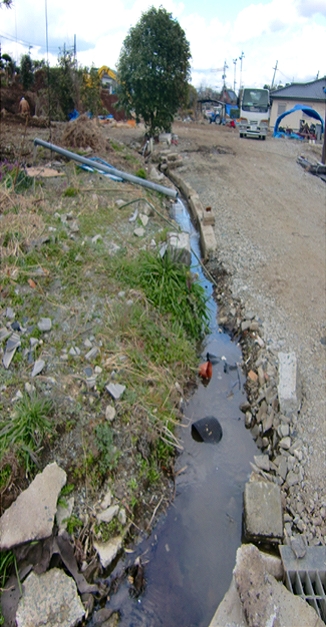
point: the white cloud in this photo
(290, 31)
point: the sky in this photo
(289, 35)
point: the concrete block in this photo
(263, 519)
(208, 217)
(230, 611)
(289, 392)
(179, 247)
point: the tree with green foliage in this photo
(9, 66)
(5, 3)
(26, 71)
(91, 91)
(153, 70)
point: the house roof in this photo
(302, 91)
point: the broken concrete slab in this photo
(263, 519)
(289, 391)
(108, 550)
(31, 516)
(49, 599)
(265, 601)
(230, 612)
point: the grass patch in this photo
(25, 430)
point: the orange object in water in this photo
(206, 369)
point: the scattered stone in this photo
(108, 514)
(122, 516)
(292, 478)
(108, 550)
(31, 516)
(38, 367)
(74, 351)
(110, 413)
(88, 343)
(119, 202)
(116, 390)
(299, 546)
(248, 419)
(92, 354)
(45, 324)
(144, 219)
(96, 238)
(262, 461)
(283, 468)
(253, 376)
(139, 232)
(285, 443)
(106, 502)
(49, 599)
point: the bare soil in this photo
(270, 230)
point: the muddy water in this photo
(190, 555)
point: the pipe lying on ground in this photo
(110, 170)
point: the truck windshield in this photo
(255, 100)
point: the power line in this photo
(26, 43)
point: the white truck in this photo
(254, 112)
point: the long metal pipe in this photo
(110, 170)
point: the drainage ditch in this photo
(189, 557)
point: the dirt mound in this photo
(82, 133)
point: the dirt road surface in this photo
(270, 230)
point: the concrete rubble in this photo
(50, 599)
(263, 520)
(31, 516)
(256, 599)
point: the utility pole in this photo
(225, 67)
(75, 51)
(235, 69)
(242, 56)
(274, 68)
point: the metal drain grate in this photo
(306, 576)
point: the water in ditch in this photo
(190, 554)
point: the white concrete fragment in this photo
(108, 550)
(31, 516)
(108, 514)
(49, 599)
(116, 390)
(38, 367)
(289, 392)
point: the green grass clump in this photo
(141, 173)
(170, 288)
(26, 429)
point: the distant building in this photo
(228, 96)
(284, 99)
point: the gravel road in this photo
(270, 230)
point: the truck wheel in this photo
(264, 137)
(241, 135)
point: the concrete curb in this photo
(198, 213)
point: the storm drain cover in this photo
(207, 430)
(306, 576)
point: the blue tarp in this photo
(306, 110)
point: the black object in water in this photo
(207, 430)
